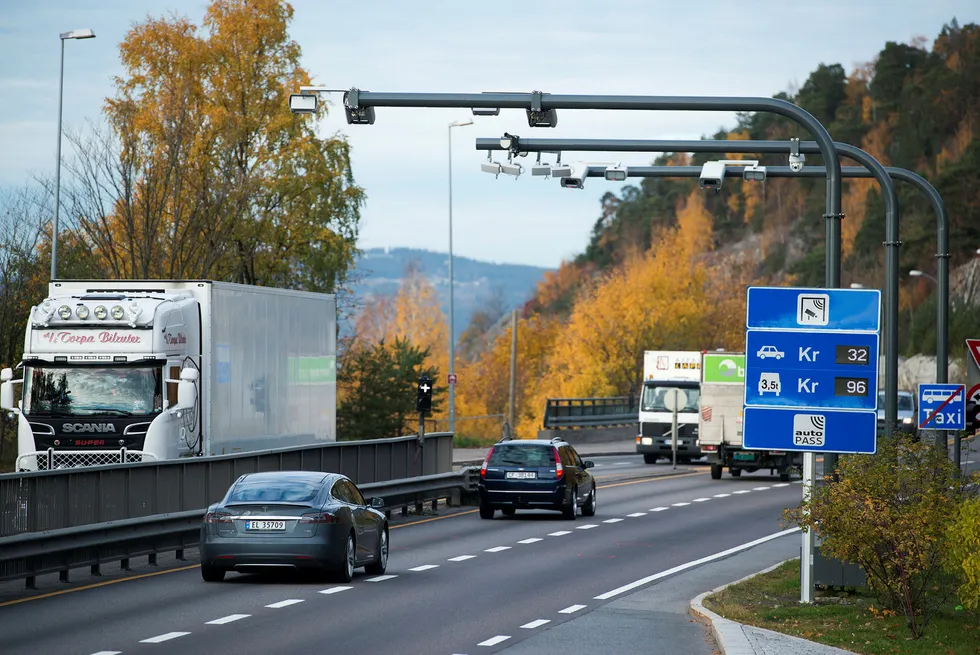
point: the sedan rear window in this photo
(272, 491)
(522, 456)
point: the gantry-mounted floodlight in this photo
(509, 141)
(754, 173)
(616, 173)
(78, 34)
(303, 103)
(491, 167)
(486, 112)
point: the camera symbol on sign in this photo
(813, 309)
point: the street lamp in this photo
(917, 273)
(855, 285)
(452, 324)
(74, 34)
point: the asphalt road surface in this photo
(455, 583)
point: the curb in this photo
(729, 635)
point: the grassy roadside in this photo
(848, 621)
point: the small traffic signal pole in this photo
(423, 404)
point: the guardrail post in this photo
(96, 569)
(151, 559)
(180, 555)
(124, 564)
(63, 576)
(31, 582)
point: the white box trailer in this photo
(720, 421)
(148, 370)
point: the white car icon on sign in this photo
(770, 351)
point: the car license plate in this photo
(749, 456)
(265, 526)
(522, 475)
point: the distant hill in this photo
(379, 272)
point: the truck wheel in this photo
(716, 471)
(735, 472)
(784, 477)
(649, 459)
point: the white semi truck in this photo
(722, 403)
(664, 370)
(151, 370)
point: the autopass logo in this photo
(82, 339)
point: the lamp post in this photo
(917, 273)
(452, 323)
(74, 34)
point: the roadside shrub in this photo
(964, 540)
(891, 513)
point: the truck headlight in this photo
(646, 441)
(907, 420)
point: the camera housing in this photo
(576, 177)
(796, 162)
(616, 173)
(712, 175)
(754, 173)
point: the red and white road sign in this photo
(973, 394)
(452, 378)
(973, 345)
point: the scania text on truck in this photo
(150, 370)
(722, 403)
(664, 370)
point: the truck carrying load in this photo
(149, 370)
(720, 421)
(664, 370)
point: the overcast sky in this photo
(625, 47)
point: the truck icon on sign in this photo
(769, 383)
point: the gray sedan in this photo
(291, 520)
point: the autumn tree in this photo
(203, 171)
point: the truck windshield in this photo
(653, 399)
(904, 402)
(92, 391)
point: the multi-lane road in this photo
(455, 583)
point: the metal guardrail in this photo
(42, 501)
(590, 412)
(28, 555)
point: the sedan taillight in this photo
(217, 517)
(483, 469)
(319, 517)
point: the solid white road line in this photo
(228, 619)
(680, 504)
(493, 641)
(381, 578)
(697, 562)
(108, 652)
(424, 567)
(537, 623)
(496, 549)
(587, 526)
(285, 603)
(700, 500)
(334, 590)
(659, 509)
(162, 638)
(529, 541)
(571, 609)
(636, 515)
(560, 533)
(460, 558)
(722, 495)
(612, 520)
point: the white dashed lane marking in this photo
(334, 590)
(461, 558)
(285, 603)
(587, 526)
(493, 641)
(560, 533)
(680, 504)
(537, 623)
(659, 509)
(571, 609)
(612, 520)
(742, 491)
(165, 637)
(228, 619)
(700, 500)
(108, 652)
(781, 484)
(722, 495)
(760, 488)
(381, 578)
(529, 541)
(496, 549)
(424, 567)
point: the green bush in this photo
(964, 540)
(890, 513)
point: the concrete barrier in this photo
(592, 435)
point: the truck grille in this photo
(66, 459)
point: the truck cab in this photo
(664, 371)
